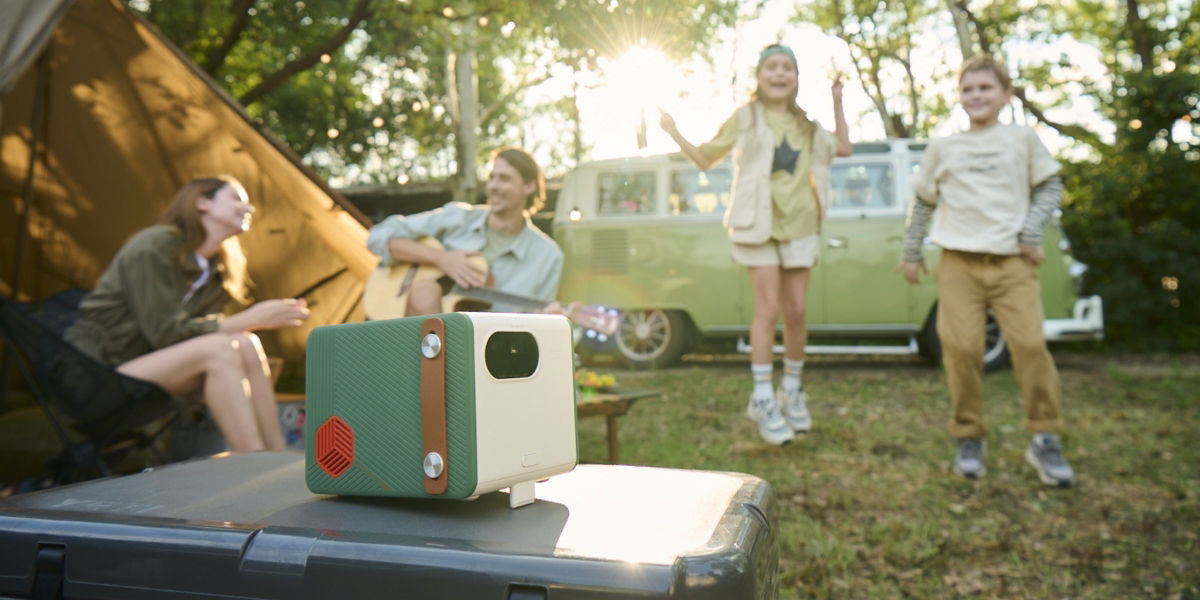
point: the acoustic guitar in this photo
(386, 295)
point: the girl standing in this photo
(780, 194)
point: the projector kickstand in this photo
(520, 494)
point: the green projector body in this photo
(440, 406)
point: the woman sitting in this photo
(156, 313)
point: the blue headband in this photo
(774, 49)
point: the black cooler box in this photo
(245, 526)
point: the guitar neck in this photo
(492, 295)
(596, 318)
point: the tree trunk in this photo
(577, 129)
(958, 11)
(914, 98)
(1142, 44)
(463, 101)
(890, 122)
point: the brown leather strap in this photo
(433, 405)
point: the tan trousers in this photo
(968, 284)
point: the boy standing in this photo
(995, 186)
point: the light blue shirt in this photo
(531, 267)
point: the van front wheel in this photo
(652, 338)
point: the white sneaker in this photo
(1045, 455)
(795, 408)
(968, 461)
(771, 425)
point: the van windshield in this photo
(625, 193)
(696, 192)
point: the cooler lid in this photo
(606, 512)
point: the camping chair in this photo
(99, 414)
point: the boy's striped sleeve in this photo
(1047, 196)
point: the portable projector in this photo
(440, 406)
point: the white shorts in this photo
(801, 253)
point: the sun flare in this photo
(644, 75)
(635, 84)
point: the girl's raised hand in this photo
(666, 121)
(836, 88)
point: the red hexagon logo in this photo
(335, 446)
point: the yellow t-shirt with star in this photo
(794, 212)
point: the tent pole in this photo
(35, 129)
(36, 126)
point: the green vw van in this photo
(644, 235)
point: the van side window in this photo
(696, 192)
(625, 193)
(862, 186)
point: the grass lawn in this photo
(868, 506)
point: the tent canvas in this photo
(122, 119)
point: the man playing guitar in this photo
(522, 260)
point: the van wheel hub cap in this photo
(642, 331)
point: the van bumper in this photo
(1086, 323)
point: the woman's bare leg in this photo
(765, 282)
(262, 393)
(794, 298)
(215, 360)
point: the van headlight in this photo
(575, 215)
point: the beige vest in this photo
(749, 215)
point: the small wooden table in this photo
(610, 404)
(288, 397)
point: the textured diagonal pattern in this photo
(369, 375)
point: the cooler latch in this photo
(48, 566)
(526, 592)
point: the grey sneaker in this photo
(1045, 455)
(968, 462)
(795, 408)
(771, 425)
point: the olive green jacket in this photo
(137, 307)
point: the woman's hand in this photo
(836, 88)
(283, 312)
(268, 314)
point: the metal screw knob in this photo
(431, 345)
(434, 465)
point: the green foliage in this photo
(1131, 210)
(380, 106)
